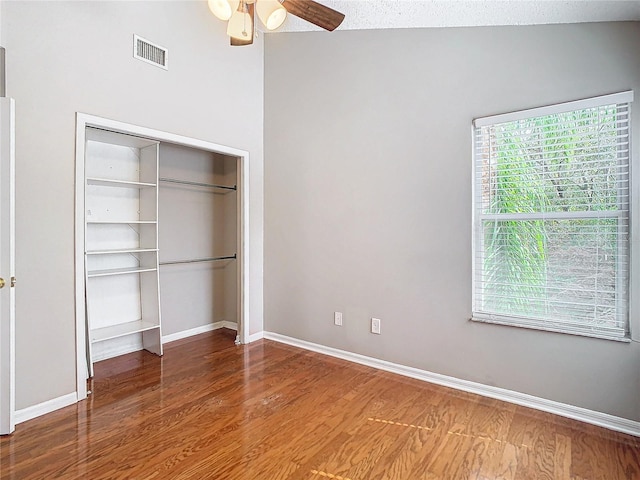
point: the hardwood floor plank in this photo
(212, 409)
(508, 465)
(562, 457)
(627, 461)
(588, 453)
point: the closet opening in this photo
(161, 241)
(197, 238)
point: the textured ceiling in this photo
(374, 14)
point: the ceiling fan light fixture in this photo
(240, 16)
(240, 25)
(223, 9)
(271, 12)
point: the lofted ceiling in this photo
(376, 14)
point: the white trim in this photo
(198, 330)
(158, 135)
(254, 337)
(84, 120)
(570, 411)
(243, 246)
(475, 235)
(621, 97)
(81, 324)
(7, 262)
(45, 407)
(634, 243)
(116, 347)
(172, 337)
(549, 326)
(229, 325)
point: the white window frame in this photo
(634, 216)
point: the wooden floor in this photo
(212, 410)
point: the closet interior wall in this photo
(195, 223)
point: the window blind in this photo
(551, 217)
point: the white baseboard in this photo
(191, 332)
(45, 407)
(198, 330)
(116, 347)
(229, 325)
(133, 343)
(600, 419)
(256, 336)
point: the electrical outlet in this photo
(337, 318)
(375, 325)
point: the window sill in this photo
(532, 325)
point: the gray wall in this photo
(368, 196)
(65, 57)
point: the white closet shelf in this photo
(119, 271)
(121, 229)
(107, 182)
(122, 222)
(121, 329)
(122, 250)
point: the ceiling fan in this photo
(272, 13)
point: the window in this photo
(551, 217)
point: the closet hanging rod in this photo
(197, 184)
(199, 260)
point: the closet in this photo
(197, 238)
(160, 243)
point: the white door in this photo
(7, 266)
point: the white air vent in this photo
(150, 52)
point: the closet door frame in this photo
(83, 121)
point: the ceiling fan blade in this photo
(315, 13)
(235, 42)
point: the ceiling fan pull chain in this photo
(245, 9)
